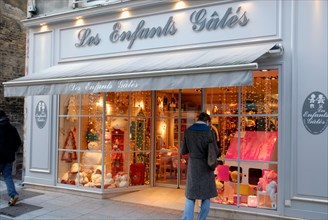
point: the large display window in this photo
(246, 121)
(104, 139)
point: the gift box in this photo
(252, 201)
(242, 199)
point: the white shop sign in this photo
(218, 24)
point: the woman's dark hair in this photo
(204, 117)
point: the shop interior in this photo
(127, 139)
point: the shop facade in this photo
(110, 90)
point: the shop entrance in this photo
(176, 110)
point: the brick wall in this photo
(12, 61)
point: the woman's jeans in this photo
(6, 170)
(188, 213)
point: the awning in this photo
(193, 68)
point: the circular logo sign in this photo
(315, 113)
(41, 114)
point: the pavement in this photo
(45, 204)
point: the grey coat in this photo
(200, 177)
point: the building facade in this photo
(112, 85)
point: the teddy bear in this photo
(124, 181)
(108, 180)
(92, 158)
(70, 176)
(96, 179)
(268, 183)
(234, 176)
(121, 179)
(81, 178)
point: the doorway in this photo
(176, 110)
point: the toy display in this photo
(92, 158)
(117, 155)
(70, 176)
(267, 189)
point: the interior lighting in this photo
(140, 105)
(100, 102)
(107, 108)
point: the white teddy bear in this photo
(96, 177)
(124, 181)
(108, 181)
(90, 160)
(271, 189)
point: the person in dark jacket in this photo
(200, 177)
(9, 143)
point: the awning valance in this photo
(199, 68)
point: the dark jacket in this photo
(9, 141)
(200, 177)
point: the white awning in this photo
(201, 68)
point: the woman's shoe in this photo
(13, 200)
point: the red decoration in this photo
(118, 147)
(71, 155)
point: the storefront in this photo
(110, 90)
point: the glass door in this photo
(176, 110)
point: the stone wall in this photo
(12, 61)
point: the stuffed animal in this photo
(70, 176)
(108, 181)
(121, 179)
(234, 176)
(266, 179)
(81, 178)
(96, 177)
(90, 160)
(271, 189)
(268, 183)
(124, 181)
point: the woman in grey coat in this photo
(200, 177)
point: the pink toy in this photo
(268, 183)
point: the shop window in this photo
(101, 138)
(246, 120)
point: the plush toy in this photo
(268, 176)
(234, 176)
(70, 176)
(268, 183)
(121, 179)
(108, 180)
(81, 178)
(124, 181)
(90, 160)
(96, 177)
(117, 179)
(220, 189)
(271, 189)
